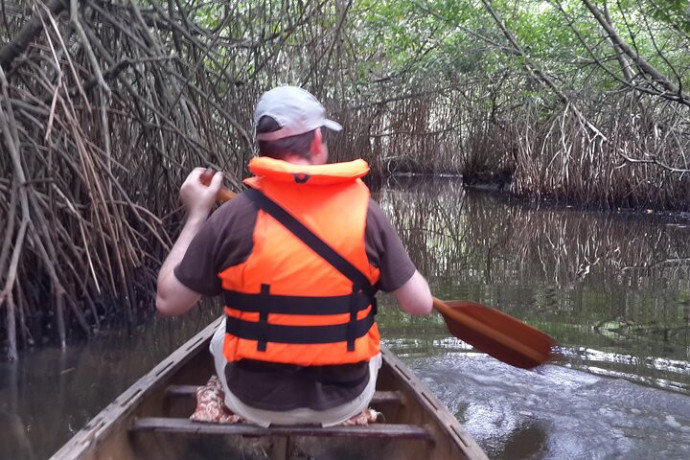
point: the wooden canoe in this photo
(150, 420)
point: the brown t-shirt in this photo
(226, 240)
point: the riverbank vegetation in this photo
(107, 104)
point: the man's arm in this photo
(172, 297)
(414, 297)
(398, 274)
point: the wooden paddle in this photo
(495, 333)
(223, 194)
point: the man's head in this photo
(290, 125)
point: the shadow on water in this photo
(613, 290)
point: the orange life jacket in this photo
(305, 294)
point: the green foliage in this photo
(674, 13)
(447, 44)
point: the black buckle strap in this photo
(251, 330)
(297, 305)
(351, 324)
(264, 310)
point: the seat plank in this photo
(186, 426)
(189, 391)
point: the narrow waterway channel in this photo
(613, 289)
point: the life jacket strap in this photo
(264, 310)
(351, 333)
(297, 305)
(251, 330)
(344, 266)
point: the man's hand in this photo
(197, 198)
(173, 297)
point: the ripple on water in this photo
(556, 412)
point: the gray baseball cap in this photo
(296, 111)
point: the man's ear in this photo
(316, 142)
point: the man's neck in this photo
(298, 160)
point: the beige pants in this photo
(298, 416)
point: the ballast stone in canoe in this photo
(150, 420)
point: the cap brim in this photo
(332, 125)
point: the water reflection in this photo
(614, 283)
(612, 289)
(50, 394)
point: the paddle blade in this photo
(496, 333)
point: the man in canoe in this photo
(298, 258)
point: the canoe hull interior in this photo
(150, 421)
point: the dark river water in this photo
(612, 289)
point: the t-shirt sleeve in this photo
(385, 250)
(223, 241)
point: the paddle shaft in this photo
(223, 194)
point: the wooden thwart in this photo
(186, 426)
(189, 391)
